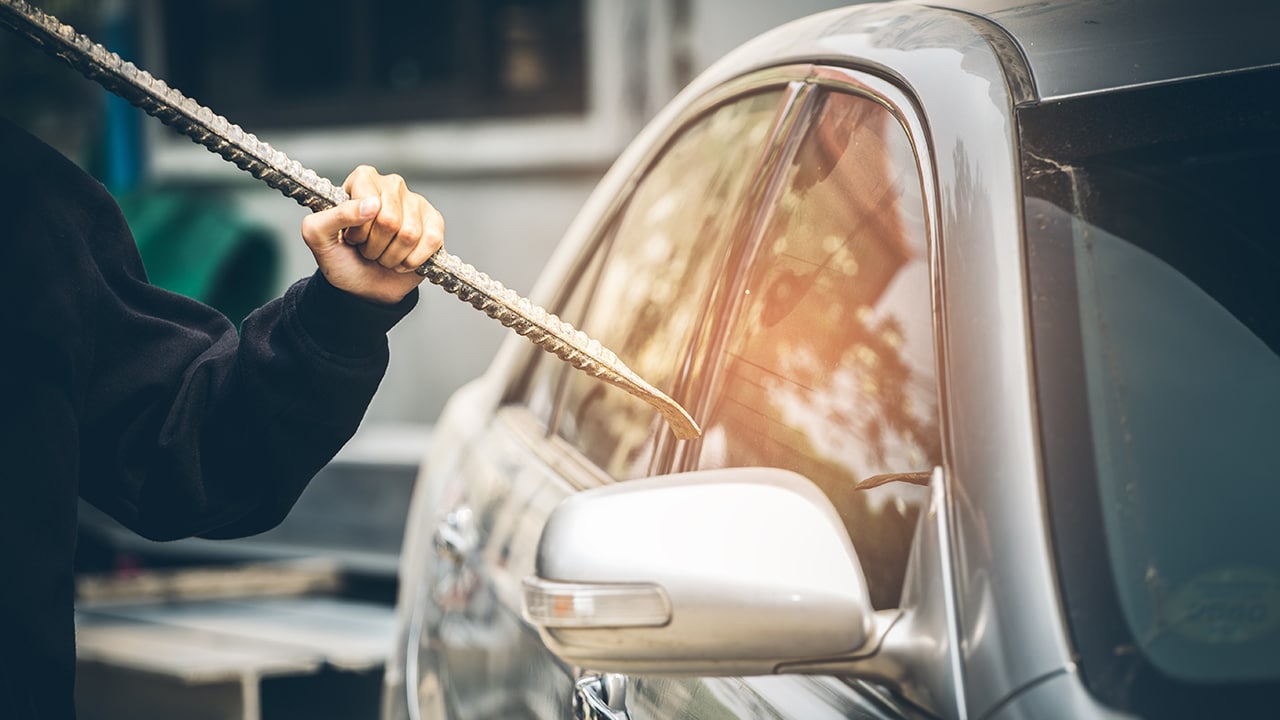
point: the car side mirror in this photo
(722, 572)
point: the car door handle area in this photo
(455, 541)
(599, 696)
(456, 538)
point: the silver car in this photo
(977, 309)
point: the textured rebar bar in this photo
(306, 187)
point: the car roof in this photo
(1089, 46)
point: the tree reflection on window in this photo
(665, 255)
(829, 364)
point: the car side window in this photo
(829, 366)
(537, 384)
(664, 256)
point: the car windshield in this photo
(1153, 262)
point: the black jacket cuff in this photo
(343, 324)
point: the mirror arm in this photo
(893, 649)
(876, 659)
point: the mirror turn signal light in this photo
(552, 604)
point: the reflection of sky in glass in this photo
(663, 260)
(1181, 394)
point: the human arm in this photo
(244, 422)
(150, 405)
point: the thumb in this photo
(323, 229)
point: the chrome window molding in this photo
(804, 111)
(904, 109)
(635, 167)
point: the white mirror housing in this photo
(722, 572)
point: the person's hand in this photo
(370, 245)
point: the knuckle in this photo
(389, 219)
(410, 234)
(360, 180)
(432, 223)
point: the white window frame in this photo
(619, 37)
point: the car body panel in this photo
(1004, 596)
(955, 81)
(766, 697)
(1097, 45)
(476, 657)
(1060, 696)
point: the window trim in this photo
(795, 114)
(900, 105)
(762, 170)
(600, 232)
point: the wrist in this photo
(345, 323)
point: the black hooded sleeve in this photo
(179, 425)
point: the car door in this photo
(824, 363)
(819, 358)
(651, 267)
(800, 332)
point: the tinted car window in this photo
(828, 366)
(1153, 256)
(537, 385)
(664, 256)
